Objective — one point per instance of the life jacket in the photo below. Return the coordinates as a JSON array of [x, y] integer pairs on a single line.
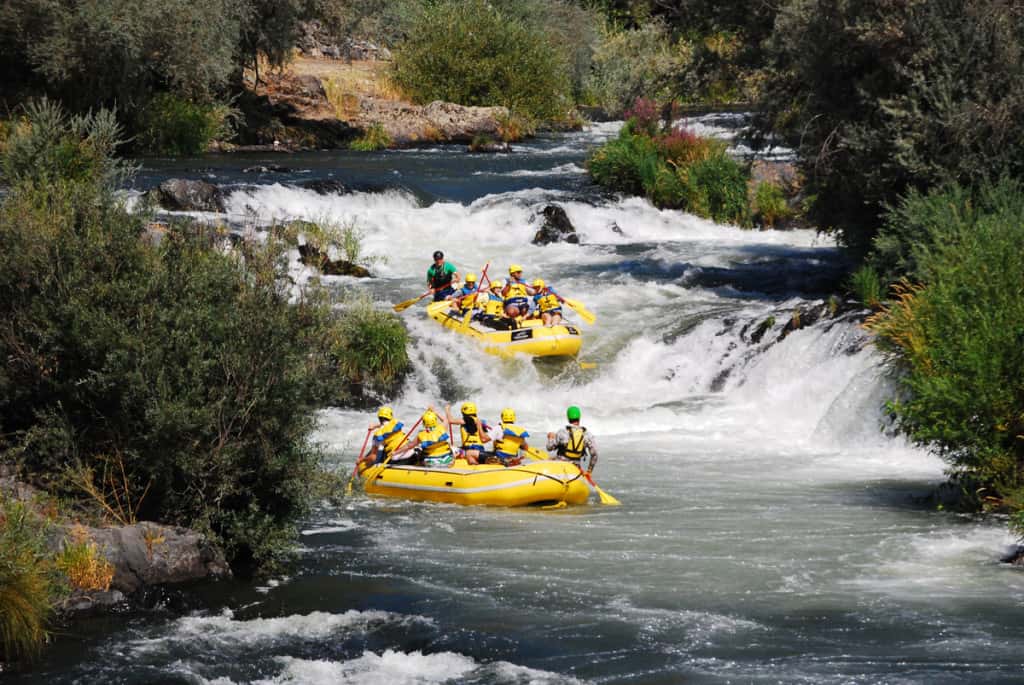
[[390, 435], [511, 440], [575, 448], [472, 439], [434, 443], [547, 301], [439, 278], [465, 297], [493, 306], [515, 289]]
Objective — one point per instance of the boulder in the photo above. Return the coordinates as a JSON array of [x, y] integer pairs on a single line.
[[556, 227], [188, 195], [312, 256], [151, 554]]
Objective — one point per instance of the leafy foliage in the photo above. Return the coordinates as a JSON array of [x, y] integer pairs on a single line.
[[473, 53], [374, 138], [188, 361], [959, 336], [901, 96], [170, 124]]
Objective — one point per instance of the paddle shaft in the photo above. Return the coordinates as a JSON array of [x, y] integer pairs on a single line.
[[355, 469]]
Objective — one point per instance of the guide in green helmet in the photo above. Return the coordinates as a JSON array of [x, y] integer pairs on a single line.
[[573, 443]]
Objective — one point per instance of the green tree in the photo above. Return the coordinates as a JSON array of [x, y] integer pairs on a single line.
[[900, 96], [472, 53]]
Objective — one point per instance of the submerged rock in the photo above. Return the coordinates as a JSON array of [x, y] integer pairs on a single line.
[[556, 227], [312, 256]]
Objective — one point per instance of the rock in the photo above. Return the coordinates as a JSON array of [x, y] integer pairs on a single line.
[[1014, 557], [188, 195], [330, 186], [488, 146], [311, 256], [556, 227], [150, 554], [267, 169], [617, 229], [90, 602]]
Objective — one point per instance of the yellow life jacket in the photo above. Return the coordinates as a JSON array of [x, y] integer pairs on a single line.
[[548, 302], [575, 448], [390, 435], [472, 439], [515, 289], [434, 443], [493, 306], [511, 440], [465, 299]]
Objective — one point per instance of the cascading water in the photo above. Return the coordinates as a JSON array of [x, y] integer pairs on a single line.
[[770, 532]]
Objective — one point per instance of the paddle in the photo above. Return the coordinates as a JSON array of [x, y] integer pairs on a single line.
[[402, 306], [399, 445], [584, 313], [464, 327], [355, 469], [604, 496]]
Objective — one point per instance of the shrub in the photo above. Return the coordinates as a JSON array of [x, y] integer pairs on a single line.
[[617, 165], [473, 53], [27, 584], [644, 116], [770, 203], [373, 138], [628, 64], [866, 285], [958, 338], [170, 124], [371, 348], [83, 564], [683, 147], [717, 189]]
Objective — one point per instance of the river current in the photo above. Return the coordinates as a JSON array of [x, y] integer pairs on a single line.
[[769, 532]]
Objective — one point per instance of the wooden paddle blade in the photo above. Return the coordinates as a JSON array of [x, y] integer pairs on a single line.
[[402, 306], [604, 496], [584, 313]]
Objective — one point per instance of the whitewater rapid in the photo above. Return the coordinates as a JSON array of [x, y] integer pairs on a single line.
[[770, 530]]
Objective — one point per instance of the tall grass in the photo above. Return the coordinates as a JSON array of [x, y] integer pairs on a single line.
[[27, 582], [374, 138], [171, 124]]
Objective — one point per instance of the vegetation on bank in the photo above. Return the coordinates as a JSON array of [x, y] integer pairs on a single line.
[[676, 169], [174, 382]]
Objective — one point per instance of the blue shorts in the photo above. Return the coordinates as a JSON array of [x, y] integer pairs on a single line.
[[443, 293], [556, 310], [520, 302]]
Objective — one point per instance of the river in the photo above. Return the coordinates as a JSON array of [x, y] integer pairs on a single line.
[[770, 532]]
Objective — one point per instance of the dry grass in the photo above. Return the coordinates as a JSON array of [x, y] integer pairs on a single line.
[[347, 84], [82, 563]]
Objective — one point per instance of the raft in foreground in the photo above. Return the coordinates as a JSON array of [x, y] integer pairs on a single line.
[[535, 482], [563, 340]]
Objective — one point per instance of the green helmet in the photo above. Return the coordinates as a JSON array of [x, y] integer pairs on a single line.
[[573, 413]]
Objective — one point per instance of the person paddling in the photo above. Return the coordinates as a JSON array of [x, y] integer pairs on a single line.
[[431, 443], [440, 276], [464, 298], [515, 293], [387, 437], [473, 430], [573, 442], [512, 440], [548, 303]]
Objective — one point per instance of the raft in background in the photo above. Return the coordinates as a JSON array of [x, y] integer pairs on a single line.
[[533, 482], [532, 337]]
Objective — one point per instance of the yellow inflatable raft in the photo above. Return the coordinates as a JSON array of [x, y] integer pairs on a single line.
[[530, 338], [533, 482]]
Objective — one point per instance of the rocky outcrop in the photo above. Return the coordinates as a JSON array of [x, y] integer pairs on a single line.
[[187, 195], [408, 124], [316, 41], [556, 227]]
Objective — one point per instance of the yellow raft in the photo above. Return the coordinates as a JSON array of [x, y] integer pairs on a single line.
[[534, 482], [531, 337]]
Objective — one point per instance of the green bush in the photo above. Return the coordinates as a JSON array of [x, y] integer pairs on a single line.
[[717, 189], [371, 349], [472, 53], [188, 363], [958, 336], [617, 165], [28, 585], [170, 124], [374, 138], [866, 285], [770, 203]]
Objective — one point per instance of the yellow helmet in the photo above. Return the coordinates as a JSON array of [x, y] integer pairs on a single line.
[[538, 283], [385, 413], [469, 409], [513, 268], [497, 285], [429, 420], [508, 415], [470, 278]]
